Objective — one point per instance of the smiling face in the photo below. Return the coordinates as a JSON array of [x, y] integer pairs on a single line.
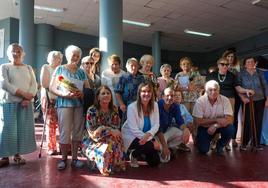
[[104, 97], [177, 97], [250, 64], [168, 96], [132, 67], [145, 94], [16, 54], [212, 90], [87, 64], [185, 65], [115, 66], [165, 72], [223, 66], [96, 56]]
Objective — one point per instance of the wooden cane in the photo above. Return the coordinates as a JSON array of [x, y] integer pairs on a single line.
[[252, 123]]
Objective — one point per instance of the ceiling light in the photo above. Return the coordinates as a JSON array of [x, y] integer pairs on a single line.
[[197, 33], [49, 9], [137, 23]]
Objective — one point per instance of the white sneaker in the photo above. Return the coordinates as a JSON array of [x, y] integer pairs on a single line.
[[133, 161]]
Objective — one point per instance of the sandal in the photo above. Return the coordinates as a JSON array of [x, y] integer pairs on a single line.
[[4, 162], [19, 160]]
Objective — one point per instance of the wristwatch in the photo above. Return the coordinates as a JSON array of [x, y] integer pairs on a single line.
[[216, 126]]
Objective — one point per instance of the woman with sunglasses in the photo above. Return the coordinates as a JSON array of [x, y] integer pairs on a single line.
[[226, 80], [88, 65]]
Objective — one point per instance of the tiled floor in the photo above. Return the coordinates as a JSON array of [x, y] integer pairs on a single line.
[[234, 169]]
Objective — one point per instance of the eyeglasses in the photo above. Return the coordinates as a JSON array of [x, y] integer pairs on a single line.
[[224, 64], [89, 63]]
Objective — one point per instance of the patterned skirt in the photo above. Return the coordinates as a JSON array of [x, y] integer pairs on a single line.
[[16, 129]]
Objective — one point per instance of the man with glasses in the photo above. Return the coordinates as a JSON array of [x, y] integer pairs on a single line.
[[213, 114]]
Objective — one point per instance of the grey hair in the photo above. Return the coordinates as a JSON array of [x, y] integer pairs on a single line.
[[9, 50], [165, 66], [210, 84], [70, 50], [145, 58], [52, 55], [129, 60]]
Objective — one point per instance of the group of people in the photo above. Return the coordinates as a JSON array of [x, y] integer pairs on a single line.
[[115, 114]]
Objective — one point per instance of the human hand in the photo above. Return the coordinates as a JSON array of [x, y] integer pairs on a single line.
[[250, 92], [144, 139], [116, 134], [25, 103], [212, 129], [27, 95], [123, 107], [157, 145]]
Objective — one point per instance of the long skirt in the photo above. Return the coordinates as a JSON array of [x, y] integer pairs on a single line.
[[16, 129]]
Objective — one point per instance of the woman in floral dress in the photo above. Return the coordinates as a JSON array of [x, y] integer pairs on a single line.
[[102, 142]]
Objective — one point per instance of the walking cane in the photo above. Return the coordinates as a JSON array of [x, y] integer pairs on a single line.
[[44, 125], [253, 125]]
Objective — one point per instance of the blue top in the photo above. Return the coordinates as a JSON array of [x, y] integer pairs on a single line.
[[80, 75], [187, 117], [127, 87], [167, 117], [147, 124]]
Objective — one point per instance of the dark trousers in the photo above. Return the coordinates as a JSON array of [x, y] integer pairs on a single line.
[[203, 139], [237, 106], [151, 155], [258, 112]]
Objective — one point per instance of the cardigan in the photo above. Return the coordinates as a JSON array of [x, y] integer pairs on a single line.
[[133, 126]]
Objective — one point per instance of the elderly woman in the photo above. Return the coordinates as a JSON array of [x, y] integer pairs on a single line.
[[251, 81], [95, 53], [67, 83], [127, 87], [17, 89], [110, 76], [185, 81], [88, 65], [48, 99], [165, 80], [141, 126], [103, 142]]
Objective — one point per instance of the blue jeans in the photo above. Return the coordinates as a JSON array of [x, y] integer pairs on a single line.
[[203, 139]]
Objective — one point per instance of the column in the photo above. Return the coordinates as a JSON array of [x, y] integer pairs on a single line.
[[156, 52], [26, 30], [44, 44], [111, 40]]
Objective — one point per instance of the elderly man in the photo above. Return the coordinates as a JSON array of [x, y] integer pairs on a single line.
[[172, 134], [213, 114]]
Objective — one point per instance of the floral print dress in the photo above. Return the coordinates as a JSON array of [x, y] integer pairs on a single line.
[[98, 144]]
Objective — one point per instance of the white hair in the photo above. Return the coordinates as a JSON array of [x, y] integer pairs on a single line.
[[132, 59], [9, 50], [52, 55], [70, 50], [211, 84]]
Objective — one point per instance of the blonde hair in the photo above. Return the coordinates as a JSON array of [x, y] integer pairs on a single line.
[[114, 57]]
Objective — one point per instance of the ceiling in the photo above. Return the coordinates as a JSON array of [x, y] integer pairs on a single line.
[[229, 20]]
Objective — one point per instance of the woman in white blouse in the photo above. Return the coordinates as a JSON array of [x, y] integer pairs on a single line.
[[141, 126], [17, 89]]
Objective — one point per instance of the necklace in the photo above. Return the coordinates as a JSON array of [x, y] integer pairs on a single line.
[[223, 77]]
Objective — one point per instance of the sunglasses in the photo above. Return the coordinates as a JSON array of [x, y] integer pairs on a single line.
[[225, 64]]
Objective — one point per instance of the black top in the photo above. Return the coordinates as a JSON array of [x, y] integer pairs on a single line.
[[227, 82]]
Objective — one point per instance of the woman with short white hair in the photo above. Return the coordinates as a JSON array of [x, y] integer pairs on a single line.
[[17, 89], [48, 99], [67, 83]]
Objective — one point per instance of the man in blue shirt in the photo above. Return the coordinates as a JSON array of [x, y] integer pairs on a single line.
[[172, 132]]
